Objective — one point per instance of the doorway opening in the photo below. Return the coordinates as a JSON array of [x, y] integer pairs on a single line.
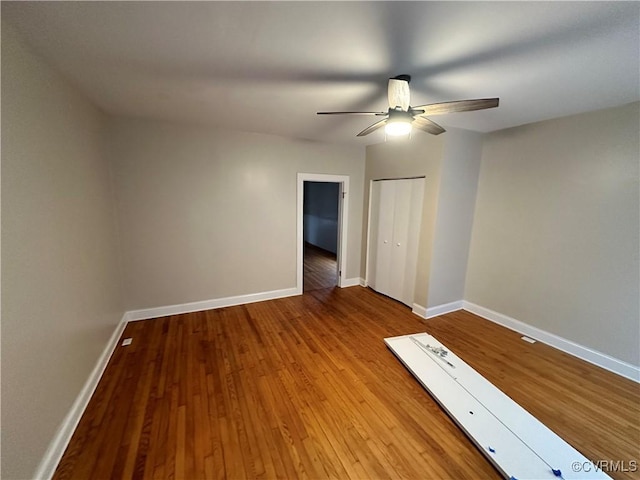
[[320, 235], [322, 220]]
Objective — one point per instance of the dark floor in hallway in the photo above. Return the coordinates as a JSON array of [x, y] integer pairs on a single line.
[[320, 268]]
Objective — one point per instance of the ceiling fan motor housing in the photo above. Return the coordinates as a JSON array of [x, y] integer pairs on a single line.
[[404, 77], [398, 93]]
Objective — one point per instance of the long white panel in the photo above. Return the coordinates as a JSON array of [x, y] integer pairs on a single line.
[[517, 443], [401, 211], [372, 239], [386, 198], [413, 239]]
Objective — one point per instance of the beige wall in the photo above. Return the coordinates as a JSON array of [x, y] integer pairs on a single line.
[[60, 279], [420, 155], [555, 236], [208, 214], [461, 158]]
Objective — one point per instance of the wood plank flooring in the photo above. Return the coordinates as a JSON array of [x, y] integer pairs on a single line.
[[304, 387], [319, 269]]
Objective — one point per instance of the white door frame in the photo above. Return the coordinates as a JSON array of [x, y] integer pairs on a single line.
[[343, 223]]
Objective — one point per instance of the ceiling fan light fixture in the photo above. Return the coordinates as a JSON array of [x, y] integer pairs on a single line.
[[398, 127], [401, 116]]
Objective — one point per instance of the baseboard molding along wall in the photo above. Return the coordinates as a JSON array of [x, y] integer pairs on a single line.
[[437, 310], [61, 439], [442, 309], [351, 282], [419, 310], [587, 354], [156, 312]]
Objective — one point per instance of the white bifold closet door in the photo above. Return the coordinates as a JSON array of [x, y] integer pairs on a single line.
[[395, 216]]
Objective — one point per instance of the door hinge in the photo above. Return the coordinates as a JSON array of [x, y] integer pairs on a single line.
[[339, 273], [344, 194]]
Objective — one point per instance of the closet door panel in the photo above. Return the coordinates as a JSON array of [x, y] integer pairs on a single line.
[[385, 228], [372, 242], [401, 208], [413, 238]]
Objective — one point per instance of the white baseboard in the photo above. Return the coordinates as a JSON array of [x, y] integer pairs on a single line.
[[437, 310], [444, 308], [156, 312], [351, 282], [587, 354], [419, 310], [68, 426]]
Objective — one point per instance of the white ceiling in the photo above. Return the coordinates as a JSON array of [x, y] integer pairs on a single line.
[[269, 66]]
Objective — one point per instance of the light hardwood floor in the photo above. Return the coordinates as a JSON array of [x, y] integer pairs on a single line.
[[304, 387]]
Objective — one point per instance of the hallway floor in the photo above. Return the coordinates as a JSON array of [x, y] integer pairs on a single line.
[[320, 268]]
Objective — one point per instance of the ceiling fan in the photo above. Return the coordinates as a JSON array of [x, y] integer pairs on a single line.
[[401, 116]]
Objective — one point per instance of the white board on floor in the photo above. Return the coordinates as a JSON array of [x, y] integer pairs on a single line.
[[517, 443]]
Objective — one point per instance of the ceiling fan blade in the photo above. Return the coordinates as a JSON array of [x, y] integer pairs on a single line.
[[351, 113], [427, 125], [457, 106], [398, 92], [373, 128]]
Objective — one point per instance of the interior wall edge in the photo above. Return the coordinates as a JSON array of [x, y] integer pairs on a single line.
[[612, 364], [65, 431]]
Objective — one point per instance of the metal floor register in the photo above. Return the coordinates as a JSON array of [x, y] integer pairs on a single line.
[[518, 444]]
